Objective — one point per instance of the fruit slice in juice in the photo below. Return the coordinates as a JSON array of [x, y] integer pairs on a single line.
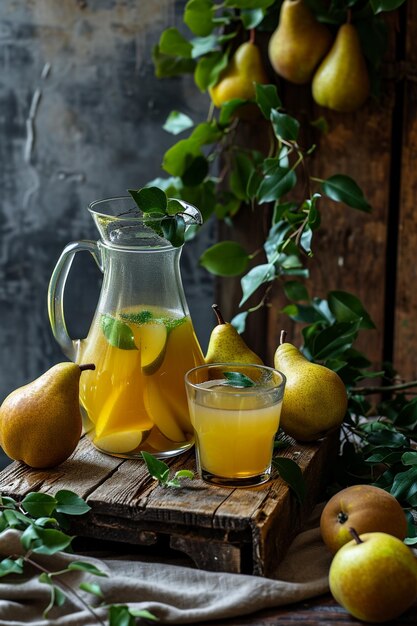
[[150, 339], [160, 412], [120, 442], [123, 410]]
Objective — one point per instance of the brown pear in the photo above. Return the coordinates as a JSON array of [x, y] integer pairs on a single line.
[[341, 82], [299, 43]]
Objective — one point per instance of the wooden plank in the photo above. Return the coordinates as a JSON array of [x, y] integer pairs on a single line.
[[405, 352], [239, 530]]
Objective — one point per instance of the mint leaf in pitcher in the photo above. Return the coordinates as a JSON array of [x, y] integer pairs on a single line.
[[236, 379], [117, 333]]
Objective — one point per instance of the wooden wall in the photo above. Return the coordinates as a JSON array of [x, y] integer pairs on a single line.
[[370, 255]]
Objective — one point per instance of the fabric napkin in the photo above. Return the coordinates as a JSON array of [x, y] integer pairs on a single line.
[[174, 594]]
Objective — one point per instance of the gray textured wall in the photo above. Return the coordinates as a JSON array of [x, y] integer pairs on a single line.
[[80, 119]]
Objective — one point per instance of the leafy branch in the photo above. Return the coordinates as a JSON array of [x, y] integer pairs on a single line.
[[42, 520]]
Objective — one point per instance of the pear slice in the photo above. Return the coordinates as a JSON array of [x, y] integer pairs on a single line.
[[161, 412], [119, 442], [151, 340]]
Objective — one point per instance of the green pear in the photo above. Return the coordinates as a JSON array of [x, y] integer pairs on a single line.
[[374, 577], [239, 78], [227, 346], [299, 43], [315, 398], [40, 423], [341, 82]]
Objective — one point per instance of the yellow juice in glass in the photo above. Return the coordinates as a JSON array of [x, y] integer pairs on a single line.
[[234, 427], [135, 398]]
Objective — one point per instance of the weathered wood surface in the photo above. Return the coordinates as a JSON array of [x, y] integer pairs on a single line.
[[222, 529]]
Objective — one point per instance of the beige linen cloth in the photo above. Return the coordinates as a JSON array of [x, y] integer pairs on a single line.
[[174, 594]]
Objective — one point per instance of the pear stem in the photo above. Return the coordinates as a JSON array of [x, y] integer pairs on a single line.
[[355, 535], [87, 366], [282, 337], [252, 35], [349, 16], [216, 309]]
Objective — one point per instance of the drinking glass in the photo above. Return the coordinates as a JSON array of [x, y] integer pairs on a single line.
[[235, 411]]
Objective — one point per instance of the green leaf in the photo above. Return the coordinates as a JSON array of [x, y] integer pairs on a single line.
[[276, 184], [291, 473], [167, 66], [143, 613], [70, 503], [240, 174], [409, 458], [195, 172], [404, 485], [184, 473], [119, 615], [267, 99], [285, 126], [84, 566], [344, 189], [209, 68], [348, 308], [93, 588], [157, 469], [57, 597], [173, 43], [11, 566], [44, 541], [385, 5], [150, 199], [38, 504], [255, 278], [227, 258], [8, 502], [179, 155], [295, 291], [239, 321], [117, 333], [236, 379], [177, 122], [198, 15], [228, 109], [251, 18], [333, 340], [173, 228]]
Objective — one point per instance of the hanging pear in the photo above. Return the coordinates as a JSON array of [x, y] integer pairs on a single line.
[[315, 399], [341, 82], [237, 80], [299, 42]]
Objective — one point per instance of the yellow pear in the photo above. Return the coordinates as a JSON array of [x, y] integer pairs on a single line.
[[40, 423], [341, 82], [227, 346], [299, 42], [237, 80], [315, 398]]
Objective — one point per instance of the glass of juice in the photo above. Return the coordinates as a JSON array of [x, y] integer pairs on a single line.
[[235, 411]]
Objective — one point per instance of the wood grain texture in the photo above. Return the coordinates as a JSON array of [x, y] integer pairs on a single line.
[[221, 529], [405, 352]]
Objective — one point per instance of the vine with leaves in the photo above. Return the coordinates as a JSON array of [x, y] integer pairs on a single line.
[[210, 167]]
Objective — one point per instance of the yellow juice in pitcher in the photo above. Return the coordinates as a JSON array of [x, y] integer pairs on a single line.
[[234, 431], [135, 398]]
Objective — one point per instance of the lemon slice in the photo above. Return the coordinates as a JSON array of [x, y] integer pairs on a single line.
[[151, 340], [120, 442]]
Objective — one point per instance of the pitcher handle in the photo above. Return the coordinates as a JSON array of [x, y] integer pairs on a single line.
[[56, 293]]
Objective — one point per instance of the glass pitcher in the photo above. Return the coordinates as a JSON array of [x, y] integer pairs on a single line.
[[141, 338]]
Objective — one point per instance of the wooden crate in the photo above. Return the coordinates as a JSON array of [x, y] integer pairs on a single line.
[[221, 529]]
